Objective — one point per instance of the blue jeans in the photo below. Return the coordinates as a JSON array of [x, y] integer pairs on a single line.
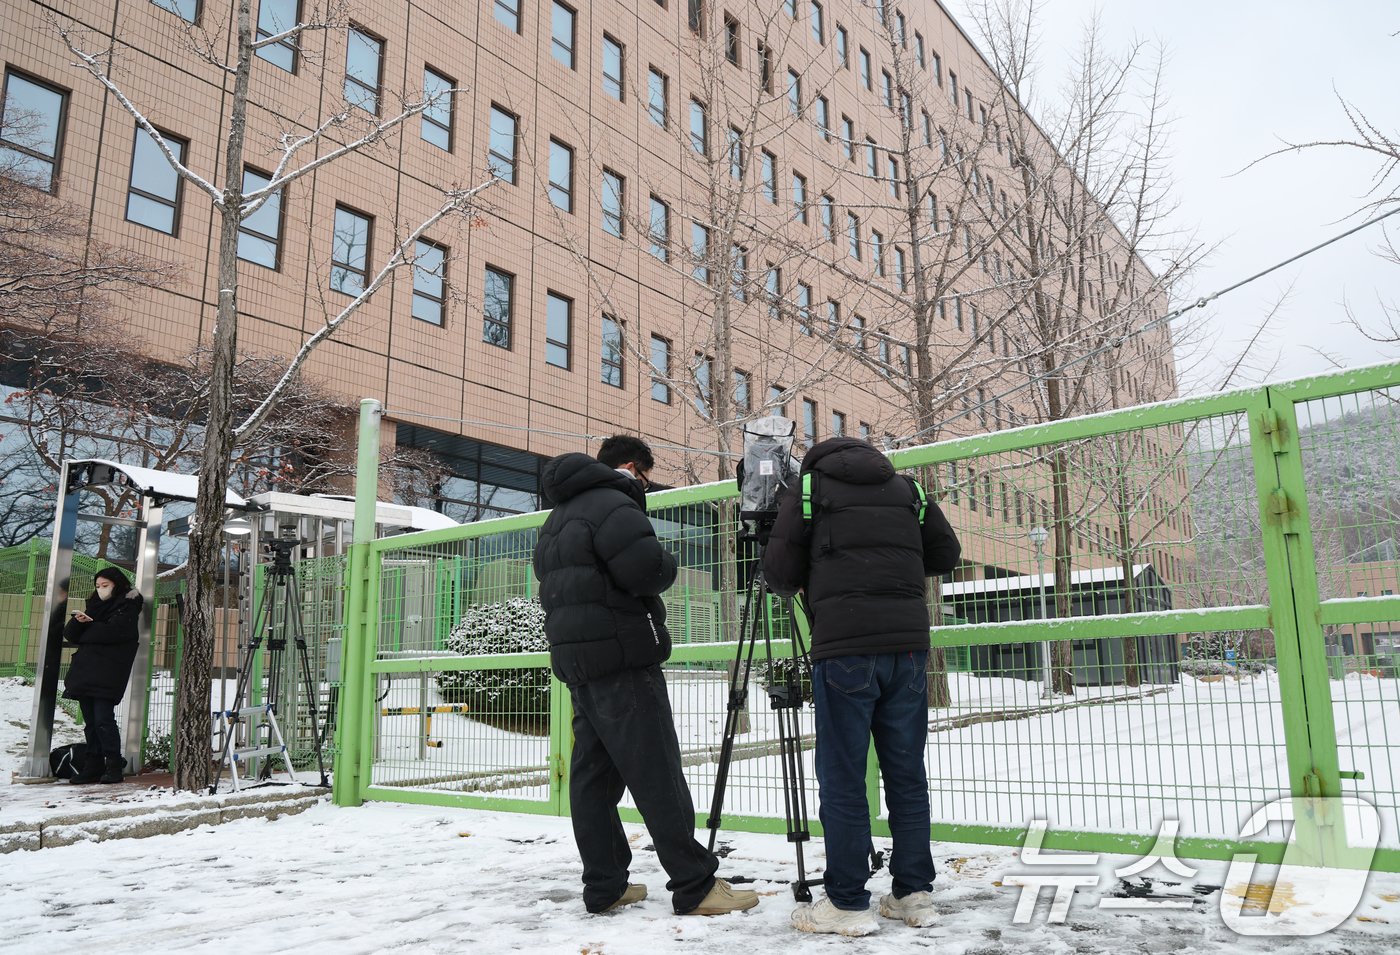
[[884, 695]]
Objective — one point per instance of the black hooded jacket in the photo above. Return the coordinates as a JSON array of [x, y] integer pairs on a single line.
[[601, 571], [106, 646], [864, 559]]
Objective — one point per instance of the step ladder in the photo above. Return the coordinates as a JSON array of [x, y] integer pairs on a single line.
[[233, 755]]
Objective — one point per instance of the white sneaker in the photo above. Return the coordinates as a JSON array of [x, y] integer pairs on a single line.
[[824, 918], [915, 909]]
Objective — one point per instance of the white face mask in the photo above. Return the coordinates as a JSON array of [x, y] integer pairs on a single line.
[[104, 591]]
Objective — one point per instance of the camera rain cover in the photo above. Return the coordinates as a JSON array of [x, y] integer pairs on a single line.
[[768, 465]]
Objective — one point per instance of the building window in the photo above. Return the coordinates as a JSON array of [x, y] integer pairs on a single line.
[[731, 39], [809, 422], [833, 318], [877, 251], [791, 7], [823, 109], [858, 331], [872, 159], [818, 23], [919, 50], [828, 207], [703, 373], [743, 392], [699, 128], [802, 292], [656, 96], [500, 159], [558, 317], [561, 175], [894, 177], [775, 400], [770, 176], [937, 68], [497, 307], [153, 198], [429, 281], [853, 234], [765, 67], [700, 252], [799, 196], [953, 87], [31, 131], [659, 230], [274, 17], [838, 424], [437, 118], [260, 234], [508, 14], [364, 63], [660, 370], [613, 201], [864, 431], [848, 138], [967, 97], [901, 29], [350, 251], [614, 62], [887, 88], [695, 17], [611, 353], [866, 79], [843, 46], [736, 153], [561, 33], [794, 93], [739, 273], [187, 10], [901, 272], [773, 291]]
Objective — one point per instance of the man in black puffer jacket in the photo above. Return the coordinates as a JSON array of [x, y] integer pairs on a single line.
[[106, 634], [862, 556], [602, 572]]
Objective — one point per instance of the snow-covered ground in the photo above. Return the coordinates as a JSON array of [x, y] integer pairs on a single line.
[[398, 878]]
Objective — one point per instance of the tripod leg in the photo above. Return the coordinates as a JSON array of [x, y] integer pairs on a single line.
[[245, 671], [312, 689], [738, 698]]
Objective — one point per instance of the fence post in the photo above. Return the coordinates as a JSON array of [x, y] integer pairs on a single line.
[[1310, 734], [22, 657], [561, 748], [355, 718]]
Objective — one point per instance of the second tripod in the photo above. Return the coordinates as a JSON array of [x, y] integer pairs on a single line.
[[783, 679], [279, 591]]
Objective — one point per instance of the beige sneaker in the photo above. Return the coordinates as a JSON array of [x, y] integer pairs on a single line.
[[823, 918], [915, 909], [633, 893], [724, 898]]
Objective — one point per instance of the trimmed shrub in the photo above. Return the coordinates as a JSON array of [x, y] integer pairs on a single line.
[[513, 698]]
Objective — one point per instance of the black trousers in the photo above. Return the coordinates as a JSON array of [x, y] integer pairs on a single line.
[[625, 737], [100, 726]]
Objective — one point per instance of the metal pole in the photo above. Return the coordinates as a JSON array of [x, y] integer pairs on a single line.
[[355, 697], [46, 666], [1049, 690]]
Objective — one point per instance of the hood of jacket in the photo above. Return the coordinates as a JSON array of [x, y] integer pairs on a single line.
[[569, 475], [850, 460]]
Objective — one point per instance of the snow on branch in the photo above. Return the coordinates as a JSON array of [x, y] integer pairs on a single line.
[[89, 62], [457, 202]]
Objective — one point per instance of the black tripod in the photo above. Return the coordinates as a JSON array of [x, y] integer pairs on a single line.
[[279, 590]]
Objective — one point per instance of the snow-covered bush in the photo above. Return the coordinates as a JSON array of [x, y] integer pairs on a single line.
[[515, 697]]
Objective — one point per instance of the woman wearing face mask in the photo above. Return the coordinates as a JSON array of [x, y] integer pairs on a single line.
[[106, 635]]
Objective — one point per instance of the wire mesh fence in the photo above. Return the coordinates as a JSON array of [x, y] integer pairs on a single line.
[[1126, 640]]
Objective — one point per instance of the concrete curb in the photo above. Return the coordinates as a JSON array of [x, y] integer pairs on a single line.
[[139, 820]]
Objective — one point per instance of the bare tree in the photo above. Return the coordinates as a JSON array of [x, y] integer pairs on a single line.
[[361, 122]]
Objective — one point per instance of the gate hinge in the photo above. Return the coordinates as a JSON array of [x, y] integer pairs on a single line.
[[1312, 785], [1281, 507], [1271, 426]]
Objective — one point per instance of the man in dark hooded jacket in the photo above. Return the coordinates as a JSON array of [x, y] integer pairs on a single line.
[[862, 554], [602, 571], [105, 631]]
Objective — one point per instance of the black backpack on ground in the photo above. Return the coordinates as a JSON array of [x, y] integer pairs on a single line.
[[65, 761]]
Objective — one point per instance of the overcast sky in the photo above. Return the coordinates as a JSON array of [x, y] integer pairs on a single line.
[[1242, 76]]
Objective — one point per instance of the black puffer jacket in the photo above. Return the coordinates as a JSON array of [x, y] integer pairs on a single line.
[[601, 571], [106, 646], [864, 560]]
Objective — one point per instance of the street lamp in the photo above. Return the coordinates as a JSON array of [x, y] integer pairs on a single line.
[[1038, 536]]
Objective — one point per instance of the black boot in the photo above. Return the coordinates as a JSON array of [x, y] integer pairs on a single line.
[[91, 771], [115, 765]]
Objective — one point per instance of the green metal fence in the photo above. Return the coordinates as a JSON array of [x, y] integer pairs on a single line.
[[1177, 611]]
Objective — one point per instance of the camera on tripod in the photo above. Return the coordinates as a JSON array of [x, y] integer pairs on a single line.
[[766, 470]]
